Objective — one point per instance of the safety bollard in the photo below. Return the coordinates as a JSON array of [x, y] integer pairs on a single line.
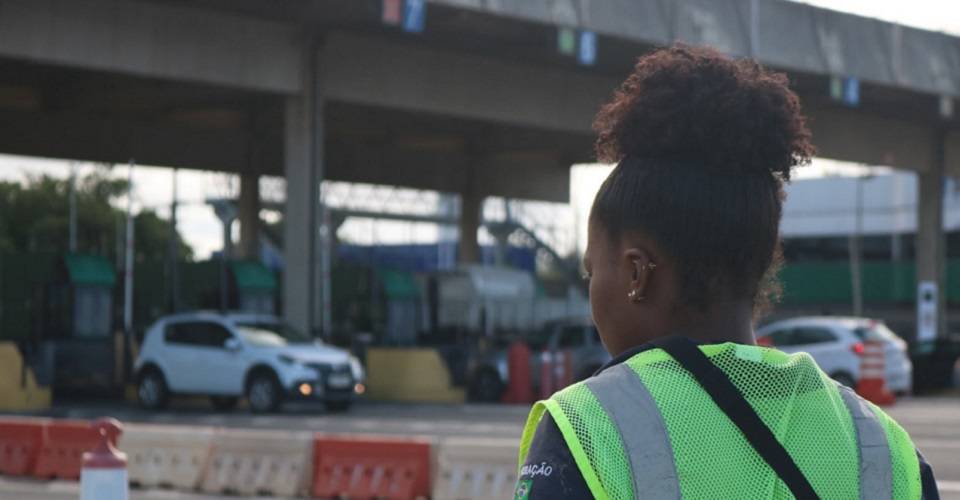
[[546, 374], [104, 472], [519, 385], [564, 369]]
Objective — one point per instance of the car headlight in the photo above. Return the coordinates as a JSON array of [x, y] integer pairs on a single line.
[[356, 369]]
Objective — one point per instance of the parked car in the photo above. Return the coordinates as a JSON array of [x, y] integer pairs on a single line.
[[228, 356], [488, 376], [836, 343]]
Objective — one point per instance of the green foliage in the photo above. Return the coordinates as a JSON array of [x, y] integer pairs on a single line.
[[34, 217]]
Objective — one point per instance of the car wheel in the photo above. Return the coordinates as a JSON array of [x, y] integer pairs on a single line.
[[223, 403], [264, 393], [338, 406], [152, 390], [486, 386], [844, 379]]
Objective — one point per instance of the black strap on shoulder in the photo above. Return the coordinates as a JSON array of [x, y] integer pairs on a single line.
[[718, 385]]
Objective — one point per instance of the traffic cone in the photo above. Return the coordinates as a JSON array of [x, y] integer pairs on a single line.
[[873, 382], [104, 472]]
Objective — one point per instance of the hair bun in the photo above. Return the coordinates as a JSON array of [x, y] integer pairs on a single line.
[[698, 106]]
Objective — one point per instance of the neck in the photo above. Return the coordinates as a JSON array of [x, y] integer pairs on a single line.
[[722, 322]]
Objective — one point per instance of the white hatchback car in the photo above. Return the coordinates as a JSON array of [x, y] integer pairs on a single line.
[[836, 344], [227, 356]]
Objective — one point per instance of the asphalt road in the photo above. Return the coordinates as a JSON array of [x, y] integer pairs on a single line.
[[933, 422]]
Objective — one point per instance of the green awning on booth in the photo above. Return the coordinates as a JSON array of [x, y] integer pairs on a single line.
[[89, 270], [399, 285], [251, 275]]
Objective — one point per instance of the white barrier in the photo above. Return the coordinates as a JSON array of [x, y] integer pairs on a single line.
[[166, 456], [259, 462], [475, 469]]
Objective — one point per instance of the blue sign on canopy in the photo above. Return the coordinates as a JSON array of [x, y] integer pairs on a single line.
[[587, 55], [851, 91], [414, 16]]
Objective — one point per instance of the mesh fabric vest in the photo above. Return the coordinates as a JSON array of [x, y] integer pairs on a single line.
[[681, 445]]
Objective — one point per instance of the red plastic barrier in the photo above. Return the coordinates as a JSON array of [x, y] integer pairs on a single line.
[[62, 446], [364, 467], [519, 385], [19, 446]]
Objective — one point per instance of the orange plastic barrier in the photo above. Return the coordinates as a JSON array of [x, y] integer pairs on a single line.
[[19, 446], [367, 467], [873, 381], [62, 445]]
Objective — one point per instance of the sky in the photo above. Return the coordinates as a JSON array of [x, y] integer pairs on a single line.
[[937, 15], [153, 186]]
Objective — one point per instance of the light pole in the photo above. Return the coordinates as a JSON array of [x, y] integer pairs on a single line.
[[856, 248]]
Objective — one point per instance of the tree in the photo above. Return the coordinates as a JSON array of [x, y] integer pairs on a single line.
[[34, 216]]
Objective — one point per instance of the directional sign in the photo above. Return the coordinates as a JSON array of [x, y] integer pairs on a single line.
[[587, 55], [392, 12], [566, 41], [927, 320], [851, 91], [414, 16], [845, 90]]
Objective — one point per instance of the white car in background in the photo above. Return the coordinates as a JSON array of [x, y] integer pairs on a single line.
[[836, 343], [228, 356]]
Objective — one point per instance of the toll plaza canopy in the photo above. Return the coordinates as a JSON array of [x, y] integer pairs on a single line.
[[787, 35], [475, 97]]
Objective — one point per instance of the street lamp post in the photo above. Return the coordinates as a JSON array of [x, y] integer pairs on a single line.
[[856, 249]]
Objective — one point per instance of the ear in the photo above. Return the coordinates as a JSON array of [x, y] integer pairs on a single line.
[[639, 263]]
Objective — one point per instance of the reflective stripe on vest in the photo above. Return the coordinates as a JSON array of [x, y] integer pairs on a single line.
[[876, 480], [646, 443]]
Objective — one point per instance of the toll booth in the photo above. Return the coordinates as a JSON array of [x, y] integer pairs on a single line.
[[255, 287], [403, 307], [78, 344]]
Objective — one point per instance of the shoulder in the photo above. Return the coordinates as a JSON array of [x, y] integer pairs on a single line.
[[550, 470]]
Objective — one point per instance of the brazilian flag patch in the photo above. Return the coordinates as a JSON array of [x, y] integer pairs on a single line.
[[523, 489]]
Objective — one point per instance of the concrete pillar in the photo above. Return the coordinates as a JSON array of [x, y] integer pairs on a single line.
[[303, 167], [471, 212], [249, 216], [471, 207], [931, 241]]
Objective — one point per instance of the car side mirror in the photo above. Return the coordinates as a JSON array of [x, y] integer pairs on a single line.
[[232, 344]]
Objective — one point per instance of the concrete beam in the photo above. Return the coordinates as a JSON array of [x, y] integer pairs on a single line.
[[378, 72], [852, 135], [87, 136], [154, 40], [545, 173], [952, 152]]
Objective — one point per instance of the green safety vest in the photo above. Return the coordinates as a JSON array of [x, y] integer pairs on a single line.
[[646, 429]]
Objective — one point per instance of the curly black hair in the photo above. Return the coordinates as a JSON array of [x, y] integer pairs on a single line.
[[703, 145]]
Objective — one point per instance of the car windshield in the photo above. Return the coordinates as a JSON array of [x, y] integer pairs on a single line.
[[271, 334], [875, 332]]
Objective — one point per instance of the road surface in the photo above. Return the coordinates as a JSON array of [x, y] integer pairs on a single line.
[[933, 422]]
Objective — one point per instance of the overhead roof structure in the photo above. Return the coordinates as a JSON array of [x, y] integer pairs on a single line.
[[785, 34]]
